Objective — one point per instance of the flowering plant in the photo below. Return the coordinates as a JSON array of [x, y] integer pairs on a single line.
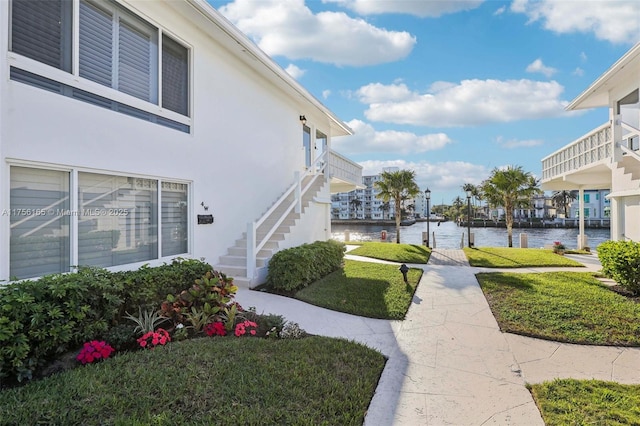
[[94, 350], [558, 246], [154, 338], [245, 326], [215, 329]]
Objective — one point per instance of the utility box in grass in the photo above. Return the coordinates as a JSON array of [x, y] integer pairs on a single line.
[[524, 242]]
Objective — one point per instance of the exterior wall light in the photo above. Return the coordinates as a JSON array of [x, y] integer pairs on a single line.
[[303, 120]]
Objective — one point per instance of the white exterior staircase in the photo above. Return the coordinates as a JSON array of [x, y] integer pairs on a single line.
[[246, 262]]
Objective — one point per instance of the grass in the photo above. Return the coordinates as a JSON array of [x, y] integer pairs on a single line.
[[367, 289], [221, 381], [501, 257], [587, 402], [562, 306], [403, 253]]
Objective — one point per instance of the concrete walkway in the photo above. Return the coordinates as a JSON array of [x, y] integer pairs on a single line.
[[448, 362]]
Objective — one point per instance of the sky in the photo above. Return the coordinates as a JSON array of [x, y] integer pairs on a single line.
[[448, 89]]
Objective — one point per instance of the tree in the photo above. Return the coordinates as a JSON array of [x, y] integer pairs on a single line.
[[510, 188], [355, 203], [562, 199], [385, 207], [396, 186]]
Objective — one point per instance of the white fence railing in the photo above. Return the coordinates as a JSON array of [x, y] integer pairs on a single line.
[[591, 148], [340, 167], [291, 200]]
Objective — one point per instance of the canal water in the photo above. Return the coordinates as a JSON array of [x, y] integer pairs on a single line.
[[448, 235]]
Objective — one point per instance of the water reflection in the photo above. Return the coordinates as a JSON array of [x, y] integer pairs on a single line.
[[449, 235]]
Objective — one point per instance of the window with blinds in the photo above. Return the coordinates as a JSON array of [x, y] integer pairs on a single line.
[[41, 30], [174, 218], [39, 222], [116, 48], [117, 220], [175, 76]]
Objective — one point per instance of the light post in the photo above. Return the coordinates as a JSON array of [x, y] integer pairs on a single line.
[[469, 218], [427, 196]]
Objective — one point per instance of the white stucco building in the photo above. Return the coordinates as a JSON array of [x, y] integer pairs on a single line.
[[608, 156], [133, 132]]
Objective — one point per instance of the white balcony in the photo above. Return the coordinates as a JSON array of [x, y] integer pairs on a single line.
[[584, 162], [344, 175]]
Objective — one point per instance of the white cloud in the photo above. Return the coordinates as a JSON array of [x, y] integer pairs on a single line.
[[583, 57], [538, 66], [295, 71], [615, 21], [326, 93], [468, 103], [367, 139], [439, 177], [578, 71], [289, 28], [515, 143], [417, 8], [500, 11]]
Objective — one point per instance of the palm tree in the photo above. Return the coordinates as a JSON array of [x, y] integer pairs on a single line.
[[562, 199], [396, 186], [385, 207], [355, 203], [510, 188]]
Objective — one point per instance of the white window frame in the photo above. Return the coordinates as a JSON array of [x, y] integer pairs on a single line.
[[73, 79], [73, 223]]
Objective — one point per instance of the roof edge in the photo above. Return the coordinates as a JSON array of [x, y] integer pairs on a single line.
[[606, 76]]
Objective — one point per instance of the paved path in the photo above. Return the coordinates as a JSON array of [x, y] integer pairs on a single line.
[[448, 362]]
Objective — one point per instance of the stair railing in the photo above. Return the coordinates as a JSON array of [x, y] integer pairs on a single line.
[[254, 246]]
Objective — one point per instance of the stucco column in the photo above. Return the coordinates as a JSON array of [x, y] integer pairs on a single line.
[[616, 220]]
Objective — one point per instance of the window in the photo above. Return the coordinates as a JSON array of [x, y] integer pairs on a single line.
[[117, 220], [116, 49], [116, 217], [175, 76], [174, 218], [39, 242], [586, 198], [41, 30]]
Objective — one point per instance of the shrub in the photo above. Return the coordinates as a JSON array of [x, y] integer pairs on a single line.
[[297, 267], [621, 262], [205, 301], [45, 318], [147, 287]]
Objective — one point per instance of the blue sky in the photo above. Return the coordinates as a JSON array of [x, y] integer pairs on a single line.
[[449, 89]]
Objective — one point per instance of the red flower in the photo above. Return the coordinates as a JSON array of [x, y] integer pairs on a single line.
[[158, 337], [94, 350], [241, 328], [215, 329]]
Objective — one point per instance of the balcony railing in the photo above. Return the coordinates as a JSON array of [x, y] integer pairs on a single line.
[[592, 148], [343, 171]]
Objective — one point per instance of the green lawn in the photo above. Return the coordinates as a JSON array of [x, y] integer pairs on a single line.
[[502, 257], [209, 381], [562, 306], [403, 253], [367, 289], [587, 402]]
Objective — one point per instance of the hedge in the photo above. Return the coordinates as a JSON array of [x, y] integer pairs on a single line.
[[621, 262], [295, 268], [44, 318]]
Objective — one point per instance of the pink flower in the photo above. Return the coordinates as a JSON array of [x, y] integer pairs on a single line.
[[241, 328], [94, 350]]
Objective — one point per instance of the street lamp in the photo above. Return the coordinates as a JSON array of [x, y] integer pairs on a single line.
[[427, 196], [469, 217]]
